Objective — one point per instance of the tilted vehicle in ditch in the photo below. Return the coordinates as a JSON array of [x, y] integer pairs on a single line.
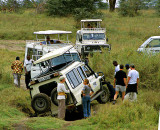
[[43, 87], [91, 37]]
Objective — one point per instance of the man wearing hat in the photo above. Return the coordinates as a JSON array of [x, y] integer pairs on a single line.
[[132, 84], [61, 90]]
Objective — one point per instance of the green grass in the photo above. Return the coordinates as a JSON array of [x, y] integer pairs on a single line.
[[125, 35], [45, 123]]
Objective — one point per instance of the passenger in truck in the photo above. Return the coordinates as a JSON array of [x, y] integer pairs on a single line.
[[46, 42]]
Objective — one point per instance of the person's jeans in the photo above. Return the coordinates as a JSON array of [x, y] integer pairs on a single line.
[[86, 106]]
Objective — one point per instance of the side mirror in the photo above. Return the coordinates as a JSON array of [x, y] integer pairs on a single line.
[[147, 46]]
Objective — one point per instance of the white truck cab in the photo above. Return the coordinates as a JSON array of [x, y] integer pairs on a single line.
[[151, 45], [39, 47], [91, 37]]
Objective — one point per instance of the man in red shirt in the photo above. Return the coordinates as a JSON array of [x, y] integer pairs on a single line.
[[17, 67]]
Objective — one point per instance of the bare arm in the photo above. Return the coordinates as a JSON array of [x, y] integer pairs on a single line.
[[114, 82], [128, 79], [125, 81], [91, 92], [137, 82]]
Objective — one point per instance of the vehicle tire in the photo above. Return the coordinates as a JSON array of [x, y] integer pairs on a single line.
[[104, 97], [41, 103], [54, 97]]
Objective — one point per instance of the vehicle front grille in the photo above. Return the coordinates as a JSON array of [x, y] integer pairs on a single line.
[[95, 47]]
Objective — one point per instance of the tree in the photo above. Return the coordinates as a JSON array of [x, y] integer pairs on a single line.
[[112, 4], [130, 7], [158, 7], [77, 8], [27, 4]]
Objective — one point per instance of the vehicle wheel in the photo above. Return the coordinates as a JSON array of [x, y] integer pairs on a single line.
[[104, 97], [54, 97], [41, 103]]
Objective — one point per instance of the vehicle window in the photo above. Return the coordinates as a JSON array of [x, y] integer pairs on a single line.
[[66, 58], [80, 71], [73, 78], [31, 52], [75, 56], [94, 36], [86, 70], [154, 43]]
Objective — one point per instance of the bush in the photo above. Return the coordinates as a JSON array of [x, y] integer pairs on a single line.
[[78, 8], [158, 7], [130, 7]]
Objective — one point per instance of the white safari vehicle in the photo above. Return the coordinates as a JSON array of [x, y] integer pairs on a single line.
[[151, 45], [39, 47], [91, 37], [43, 87]]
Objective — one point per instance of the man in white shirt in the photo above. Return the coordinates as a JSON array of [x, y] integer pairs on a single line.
[[132, 84], [117, 68], [61, 90], [27, 67]]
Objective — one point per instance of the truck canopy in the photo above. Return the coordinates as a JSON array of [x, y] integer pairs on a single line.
[[49, 32], [92, 20]]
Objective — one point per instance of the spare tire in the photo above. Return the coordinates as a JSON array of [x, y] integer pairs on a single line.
[[104, 97], [54, 97], [41, 103]]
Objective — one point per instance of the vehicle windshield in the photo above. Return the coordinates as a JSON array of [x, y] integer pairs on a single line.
[[93, 36], [55, 64], [67, 57], [146, 42]]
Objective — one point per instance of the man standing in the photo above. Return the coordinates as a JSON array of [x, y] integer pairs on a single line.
[[120, 80], [17, 67], [61, 90], [132, 82], [27, 67], [115, 63]]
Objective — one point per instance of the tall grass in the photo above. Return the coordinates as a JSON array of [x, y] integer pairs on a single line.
[[6, 59], [125, 36], [146, 65]]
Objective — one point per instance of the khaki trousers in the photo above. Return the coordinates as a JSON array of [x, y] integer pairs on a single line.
[[17, 79], [61, 109]]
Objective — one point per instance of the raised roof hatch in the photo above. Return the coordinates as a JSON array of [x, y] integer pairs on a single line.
[[54, 54]]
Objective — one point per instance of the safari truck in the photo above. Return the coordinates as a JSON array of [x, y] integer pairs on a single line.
[[91, 37], [151, 45], [43, 87], [42, 45]]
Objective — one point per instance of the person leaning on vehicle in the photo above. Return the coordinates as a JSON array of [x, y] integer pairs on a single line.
[[27, 67], [61, 90], [120, 80], [132, 84], [17, 67]]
